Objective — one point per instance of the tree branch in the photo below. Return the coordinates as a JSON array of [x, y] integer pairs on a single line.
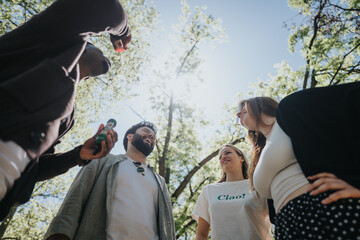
[[185, 58], [342, 62], [24, 5], [39, 185], [136, 113], [162, 159], [316, 27], [345, 9], [5, 223], [181, 232], [167, 138], [313, 79]]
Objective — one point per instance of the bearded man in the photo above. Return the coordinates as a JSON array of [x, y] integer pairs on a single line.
[[118, 197]]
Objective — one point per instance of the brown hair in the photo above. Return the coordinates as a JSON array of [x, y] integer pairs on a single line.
[[245, 165], [256, 107]]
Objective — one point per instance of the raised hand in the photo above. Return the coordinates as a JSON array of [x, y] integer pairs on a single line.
[[327, 181]]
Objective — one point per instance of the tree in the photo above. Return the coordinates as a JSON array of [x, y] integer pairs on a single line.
[[328, 37], [92, 99], [330, 59], [182, 157], [178, 146], [329, 40]]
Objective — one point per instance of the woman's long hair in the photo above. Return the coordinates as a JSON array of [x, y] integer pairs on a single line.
[[256, 107], [245, 165]]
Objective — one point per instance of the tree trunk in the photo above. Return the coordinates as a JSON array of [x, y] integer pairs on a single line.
[[316, 28], [162, 159], [192, 221]]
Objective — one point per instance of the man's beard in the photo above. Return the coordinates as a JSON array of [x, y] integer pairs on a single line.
[[139, 144]]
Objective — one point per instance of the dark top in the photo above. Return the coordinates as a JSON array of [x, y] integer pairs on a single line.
[[39, 75], [39, 70], [324, 127]]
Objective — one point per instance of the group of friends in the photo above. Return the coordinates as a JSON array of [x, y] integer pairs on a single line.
[[304, 158], [303, 175]]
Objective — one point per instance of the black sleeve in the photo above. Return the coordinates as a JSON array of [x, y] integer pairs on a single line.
[[77, 18], [52, 165]]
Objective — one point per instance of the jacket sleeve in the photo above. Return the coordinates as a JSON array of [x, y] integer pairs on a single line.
[[69, 216], [82, 17], [170, 223], [52, 165]]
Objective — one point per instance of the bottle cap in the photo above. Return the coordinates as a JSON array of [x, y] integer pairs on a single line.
[[120, 50]]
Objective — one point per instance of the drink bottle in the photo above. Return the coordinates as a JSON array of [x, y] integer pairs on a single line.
[[111, 123]]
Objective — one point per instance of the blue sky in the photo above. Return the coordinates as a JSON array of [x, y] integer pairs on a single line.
[[257, 39]]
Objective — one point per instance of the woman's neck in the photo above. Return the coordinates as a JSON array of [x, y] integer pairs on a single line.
[[234, 176], [269, 123]]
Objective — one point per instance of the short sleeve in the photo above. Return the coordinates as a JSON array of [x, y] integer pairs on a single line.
[[201, 208]]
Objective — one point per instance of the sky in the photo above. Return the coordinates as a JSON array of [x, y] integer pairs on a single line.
[[257, 40]]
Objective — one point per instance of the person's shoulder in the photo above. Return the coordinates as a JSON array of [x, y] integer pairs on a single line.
[[103, 159], [234, 184], [213, 186], [118, 157], [109, 159], [161, 178]]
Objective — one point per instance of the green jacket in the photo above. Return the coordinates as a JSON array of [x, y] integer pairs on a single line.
[[84, 214]]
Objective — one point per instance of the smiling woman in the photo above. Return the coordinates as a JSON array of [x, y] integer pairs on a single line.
[[233, 164], [229, 206], [312, 179]]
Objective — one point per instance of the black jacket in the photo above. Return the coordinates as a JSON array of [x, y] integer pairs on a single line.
[[39, 70], [39, 75]]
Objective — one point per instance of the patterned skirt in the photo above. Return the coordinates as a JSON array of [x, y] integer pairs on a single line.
[[305, 217]]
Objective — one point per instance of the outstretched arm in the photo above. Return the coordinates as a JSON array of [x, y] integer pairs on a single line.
[[327, 181], [52, 165]]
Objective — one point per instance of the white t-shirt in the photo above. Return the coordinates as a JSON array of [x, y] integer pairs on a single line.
[[134, 207], [233, 212], [13, 160]]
